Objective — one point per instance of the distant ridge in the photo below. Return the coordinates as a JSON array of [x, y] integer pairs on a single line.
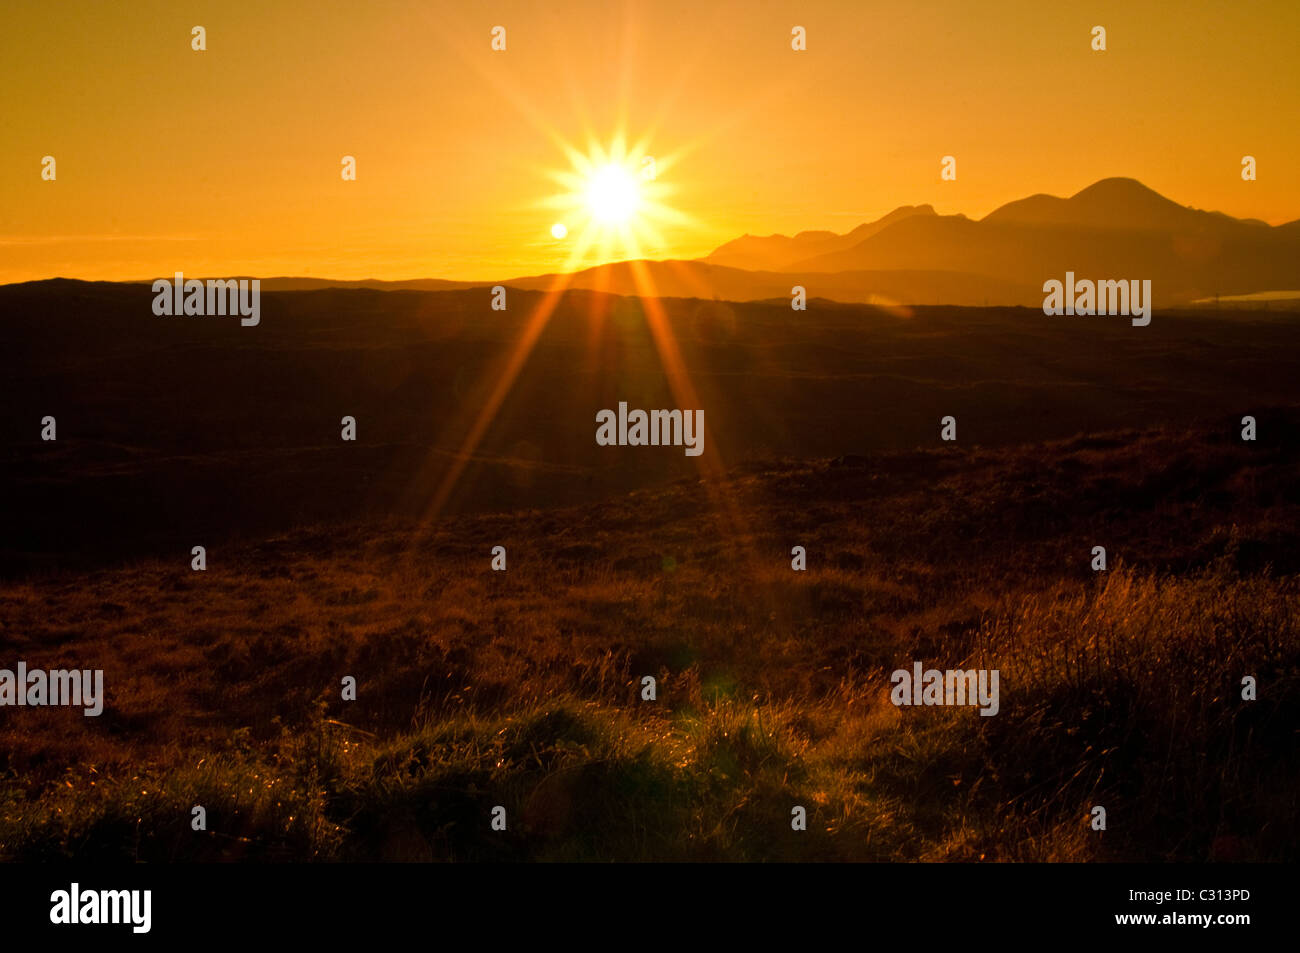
[[1116, 228], [777, 252]]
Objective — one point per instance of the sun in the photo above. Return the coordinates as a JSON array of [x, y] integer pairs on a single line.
[[612, 194], [613, 202]]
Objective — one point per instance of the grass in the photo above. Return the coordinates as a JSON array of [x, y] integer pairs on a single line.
[[522, 689]]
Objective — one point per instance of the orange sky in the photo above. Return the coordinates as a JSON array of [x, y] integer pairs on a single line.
[[227, 161]]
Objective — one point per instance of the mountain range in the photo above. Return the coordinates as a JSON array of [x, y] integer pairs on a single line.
[[1116, 228]]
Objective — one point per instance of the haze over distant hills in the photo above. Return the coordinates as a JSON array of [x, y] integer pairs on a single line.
[[779, 253], [1117, 228], [1114, 229]]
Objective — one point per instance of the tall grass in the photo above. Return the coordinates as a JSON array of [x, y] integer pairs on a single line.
[[1125, 694]]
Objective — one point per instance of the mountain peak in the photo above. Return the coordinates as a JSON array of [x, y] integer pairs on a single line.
[[1118, 186], [1117, 202], [1113, 225], [906, 211]]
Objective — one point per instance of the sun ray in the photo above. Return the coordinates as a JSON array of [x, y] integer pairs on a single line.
[[684, 394], [641, 212]]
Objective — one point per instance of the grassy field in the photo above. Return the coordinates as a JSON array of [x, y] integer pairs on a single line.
[[521, 688]]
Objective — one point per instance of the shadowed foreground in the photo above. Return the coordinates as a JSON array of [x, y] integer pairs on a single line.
[[521, 689], [178, 431]]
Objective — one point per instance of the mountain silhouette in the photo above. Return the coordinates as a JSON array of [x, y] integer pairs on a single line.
[[1110, 203], [1115, 228], [776, 252]]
